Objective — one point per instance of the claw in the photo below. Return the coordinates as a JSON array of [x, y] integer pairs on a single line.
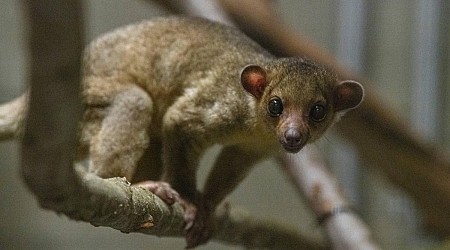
[[198, 227], [190, 212]]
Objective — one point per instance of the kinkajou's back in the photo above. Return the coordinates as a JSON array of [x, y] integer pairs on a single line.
[[165, 51]]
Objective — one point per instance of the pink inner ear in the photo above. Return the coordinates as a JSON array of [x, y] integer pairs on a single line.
[[253, 79], [254, 83], [345, 93], [348, 95], [257, 81]]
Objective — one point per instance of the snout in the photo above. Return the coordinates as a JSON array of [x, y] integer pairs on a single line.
[[293, 140]]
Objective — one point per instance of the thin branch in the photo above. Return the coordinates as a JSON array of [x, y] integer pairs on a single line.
[[310, 175], [238, 227], [11, 118], [201, 8]]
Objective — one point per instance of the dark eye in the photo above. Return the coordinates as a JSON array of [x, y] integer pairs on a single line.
[[317, 113], [275, 107]]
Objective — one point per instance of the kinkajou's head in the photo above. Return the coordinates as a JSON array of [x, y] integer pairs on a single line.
[[299, 99]]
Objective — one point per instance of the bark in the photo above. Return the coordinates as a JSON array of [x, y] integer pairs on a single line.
[[310, 174], [49, 142], [11, 118]]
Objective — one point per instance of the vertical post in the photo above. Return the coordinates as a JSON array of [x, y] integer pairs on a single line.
[[351, 21], [351, 32], [49, 142], [425, 80]]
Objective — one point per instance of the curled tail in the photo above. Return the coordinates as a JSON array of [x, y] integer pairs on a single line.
[[12, 116]]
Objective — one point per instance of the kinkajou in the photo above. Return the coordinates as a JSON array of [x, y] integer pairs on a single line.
[[182, 85]]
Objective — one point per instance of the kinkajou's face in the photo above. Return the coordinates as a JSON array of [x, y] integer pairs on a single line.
[[298, 110], [302, 99]]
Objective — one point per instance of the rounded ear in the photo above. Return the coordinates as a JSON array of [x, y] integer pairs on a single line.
[[347, 95], [254, 80]]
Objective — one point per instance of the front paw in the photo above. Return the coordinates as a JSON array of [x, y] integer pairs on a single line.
[[161, 189], [199, 225]]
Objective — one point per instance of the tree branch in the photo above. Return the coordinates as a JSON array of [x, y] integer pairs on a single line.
[[49, 140], [11, 118], [115, 203], [310, 175]]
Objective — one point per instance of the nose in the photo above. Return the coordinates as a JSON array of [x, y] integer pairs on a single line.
[[292, 137]]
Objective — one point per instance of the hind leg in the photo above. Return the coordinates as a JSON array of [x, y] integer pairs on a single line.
[[122, 139]]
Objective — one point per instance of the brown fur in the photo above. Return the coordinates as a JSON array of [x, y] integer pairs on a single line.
[[173, 85]]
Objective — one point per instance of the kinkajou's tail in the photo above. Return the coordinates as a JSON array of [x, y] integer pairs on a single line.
[[12, 116]]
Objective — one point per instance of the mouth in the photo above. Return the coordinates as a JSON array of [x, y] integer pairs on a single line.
[[292, 148]]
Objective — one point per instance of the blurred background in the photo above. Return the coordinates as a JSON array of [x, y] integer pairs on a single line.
[[402, 46]]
